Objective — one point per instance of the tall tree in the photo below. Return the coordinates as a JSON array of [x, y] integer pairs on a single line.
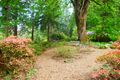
[[12, 14], [103, 20], [6, 16], [50, 15], [80, 9]]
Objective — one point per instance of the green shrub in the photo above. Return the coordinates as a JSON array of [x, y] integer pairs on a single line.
[[42, 46], [101, 45], [1, 36], [65, 52], [39, 37], [58, 36], [104, 34], [15, 55], [37, 48], [31, 72]]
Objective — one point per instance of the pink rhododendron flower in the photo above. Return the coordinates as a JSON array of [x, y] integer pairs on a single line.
[[94, 75]]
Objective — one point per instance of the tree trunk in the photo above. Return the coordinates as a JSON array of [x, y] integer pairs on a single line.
[[6, 18], [71, 32], [81, 27], [6, 31], [15, 31], [48, 33], [15, 25], [80, 9], [32, 37]]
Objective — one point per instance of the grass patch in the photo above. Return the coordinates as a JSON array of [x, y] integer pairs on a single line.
[[1, 36], [8, 78], [40, 47], [31, 72], [101, 45], [65, 52]]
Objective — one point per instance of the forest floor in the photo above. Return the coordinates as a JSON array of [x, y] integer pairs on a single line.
[[77, 68]]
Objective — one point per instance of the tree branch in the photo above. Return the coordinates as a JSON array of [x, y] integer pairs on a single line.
[[96, 2]]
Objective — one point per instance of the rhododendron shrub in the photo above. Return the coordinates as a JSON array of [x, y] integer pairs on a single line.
[[116, 44], [106, 74], [112, 58], [112, 72], [99, 74], [15, 54]]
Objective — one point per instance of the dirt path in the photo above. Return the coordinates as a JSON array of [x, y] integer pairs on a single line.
[[75, 69]]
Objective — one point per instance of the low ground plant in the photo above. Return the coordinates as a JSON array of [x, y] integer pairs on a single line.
[[59, 36], [65, 52], [101, 45], [31, 72], [116, 44], [42, 46]]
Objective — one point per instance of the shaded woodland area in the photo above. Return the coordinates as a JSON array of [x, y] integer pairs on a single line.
[[68, 19]]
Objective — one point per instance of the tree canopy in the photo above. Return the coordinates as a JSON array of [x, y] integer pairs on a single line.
[[53, 17]]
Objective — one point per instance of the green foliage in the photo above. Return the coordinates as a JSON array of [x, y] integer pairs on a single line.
[[56, 15], [39, 37], [8, 78], [31, 72], [106, 35], [65, 52], [1, 36], [103, 20], [40, 43], [53, 44], [42, 46], [101, 45], [58, 36], [12, 14]]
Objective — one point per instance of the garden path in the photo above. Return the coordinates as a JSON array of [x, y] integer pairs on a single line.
[[77, 68]]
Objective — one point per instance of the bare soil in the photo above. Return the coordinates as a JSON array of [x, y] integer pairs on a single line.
[[77, 68]]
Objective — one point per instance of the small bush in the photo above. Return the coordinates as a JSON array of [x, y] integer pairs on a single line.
[[31, 72], [112, 70], [104, 33], [65, 52], [1, 36], [116, 44], [101, 45], [15, 55], [58, 36], [106, 74], [112, 58], [39, 37], [42, 46]]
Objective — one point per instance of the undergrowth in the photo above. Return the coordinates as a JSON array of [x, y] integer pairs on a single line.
[[31, 72], [101, 45], [42, 46], [65, 51]]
